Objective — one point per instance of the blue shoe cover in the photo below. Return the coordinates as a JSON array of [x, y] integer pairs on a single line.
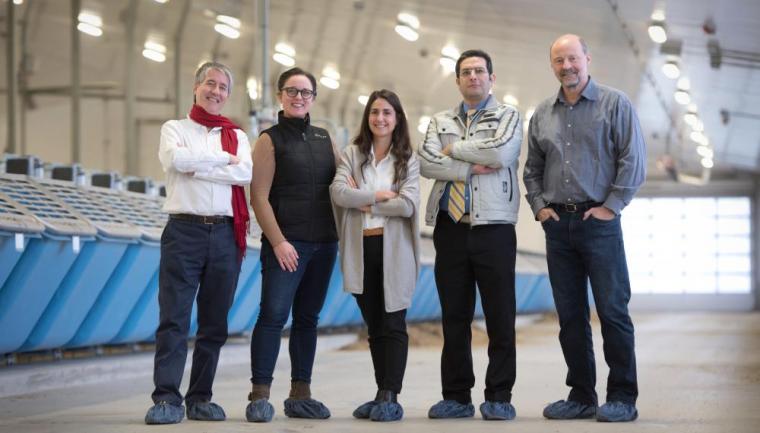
[[617, 411], [451, 409], [386, 411], [569, 409], [259, 411], [205, 411], [165, 413], [497, 410], [363, 411], [306, 408]]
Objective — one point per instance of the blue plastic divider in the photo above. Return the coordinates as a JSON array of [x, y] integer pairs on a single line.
[[119, 296]]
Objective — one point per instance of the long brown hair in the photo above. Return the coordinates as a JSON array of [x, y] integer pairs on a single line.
[[401, 146]]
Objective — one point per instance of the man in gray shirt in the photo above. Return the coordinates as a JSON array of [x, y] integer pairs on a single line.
[[586, 160]]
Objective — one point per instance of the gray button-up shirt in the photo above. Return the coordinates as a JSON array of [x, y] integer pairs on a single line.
[[590, 151]]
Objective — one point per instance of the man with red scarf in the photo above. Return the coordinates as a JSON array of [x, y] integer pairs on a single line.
[[207, 160]]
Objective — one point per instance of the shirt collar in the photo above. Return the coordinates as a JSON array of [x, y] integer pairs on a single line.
[[463, 107], [590, 92]]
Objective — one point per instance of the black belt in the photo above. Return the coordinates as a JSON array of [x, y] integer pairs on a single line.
[[574, 207], [202, 219]]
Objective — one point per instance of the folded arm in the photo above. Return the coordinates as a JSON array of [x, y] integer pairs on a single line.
[[498, 151], [434, 164], [232, 174], [175, 153]]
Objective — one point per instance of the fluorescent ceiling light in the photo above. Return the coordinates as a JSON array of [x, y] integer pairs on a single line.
[[283, 59], [691, 118], [448, 64], [657, 31], [330, 72], [409, 19], [682, 97], [450, 51], [699, 138], [707, 163], [253, 88], [705, 152], [89, 29], [422, 125], [154, 55], [230, 21], [511, 100], [329, 82], [90, 18], [363, 99], [227, 31], [407, 32], [155, 46], [671, 69], [285, 48]]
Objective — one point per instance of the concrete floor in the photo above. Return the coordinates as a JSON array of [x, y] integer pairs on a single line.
[[698, 372]]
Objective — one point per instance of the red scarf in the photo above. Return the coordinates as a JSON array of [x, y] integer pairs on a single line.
[[229, 145]]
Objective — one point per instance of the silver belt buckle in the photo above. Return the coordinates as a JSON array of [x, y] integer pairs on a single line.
[[208, 220], [572, 208]]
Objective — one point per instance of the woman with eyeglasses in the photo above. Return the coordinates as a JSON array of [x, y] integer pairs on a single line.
[[376, 197], [294, 163]]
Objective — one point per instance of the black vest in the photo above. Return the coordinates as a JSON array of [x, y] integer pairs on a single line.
[[305, 167]]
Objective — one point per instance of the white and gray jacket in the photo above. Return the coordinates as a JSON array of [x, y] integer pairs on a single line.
[[493, 139]]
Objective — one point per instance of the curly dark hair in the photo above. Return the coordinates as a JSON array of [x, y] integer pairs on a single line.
[[401, 147]]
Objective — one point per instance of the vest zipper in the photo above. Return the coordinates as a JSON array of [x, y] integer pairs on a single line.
[[509, 169]]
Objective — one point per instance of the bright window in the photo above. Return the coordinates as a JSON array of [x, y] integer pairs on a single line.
[[688, 245]]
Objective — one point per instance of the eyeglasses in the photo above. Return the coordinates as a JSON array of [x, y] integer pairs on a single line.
[[293, 92], [477, 71]]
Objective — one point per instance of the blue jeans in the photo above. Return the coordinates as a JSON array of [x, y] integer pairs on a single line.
[[578, 251], [304, 290]]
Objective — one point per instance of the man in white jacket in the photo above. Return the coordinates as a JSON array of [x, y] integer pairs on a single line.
[[471, 151]]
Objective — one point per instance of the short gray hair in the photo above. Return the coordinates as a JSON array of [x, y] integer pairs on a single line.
[[200, 74]]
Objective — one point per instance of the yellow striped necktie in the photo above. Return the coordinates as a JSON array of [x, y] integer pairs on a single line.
[[456, 191], [456, 200]]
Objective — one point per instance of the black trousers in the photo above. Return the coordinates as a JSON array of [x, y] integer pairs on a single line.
[[197, 259], [388, 340], [466, 256]]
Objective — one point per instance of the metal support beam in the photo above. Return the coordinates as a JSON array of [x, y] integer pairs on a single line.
[[76, 89], [130, 91], [266, 89], [11, 76], [178, 60], [25, 69]]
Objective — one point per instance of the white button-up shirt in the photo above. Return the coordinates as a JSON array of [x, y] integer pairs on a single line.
[[198, 173], [377, 176]]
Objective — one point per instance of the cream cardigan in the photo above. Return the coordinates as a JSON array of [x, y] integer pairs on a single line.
[[401, 234]]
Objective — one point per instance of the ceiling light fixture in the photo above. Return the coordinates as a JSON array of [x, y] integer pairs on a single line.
[[707, 163], [682, 97], [330, 77], [705, 152], [252, 85], [363, 99], [671, 69], [657, 31], [449, 56], [155, 51], [227, 26], [407, 26], [90, 23], [422, 125], [284, 54], [511, 100]]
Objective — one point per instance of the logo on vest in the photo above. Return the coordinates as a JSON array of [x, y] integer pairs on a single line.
[[319, 136]]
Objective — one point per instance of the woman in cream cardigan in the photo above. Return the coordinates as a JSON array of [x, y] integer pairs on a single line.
[[376, 199]]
